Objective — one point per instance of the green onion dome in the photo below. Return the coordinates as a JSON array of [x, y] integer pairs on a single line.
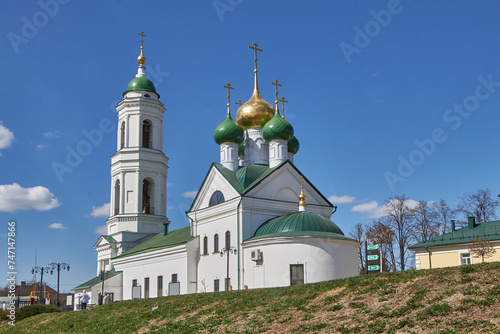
[[293, 145], [228, 132], [277, 128], [241, 149], [141, 83], [299, 223]]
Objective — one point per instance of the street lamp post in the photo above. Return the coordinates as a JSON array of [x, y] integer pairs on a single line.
[[59, 266], [41, 270], [230, 250]]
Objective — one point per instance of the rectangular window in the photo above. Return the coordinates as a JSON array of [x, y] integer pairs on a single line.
[[160, 286], [227, 283], [146, 287], [216, 285], [134, 282], [466, 259], [216, 243], [174, 278], [296, 274]]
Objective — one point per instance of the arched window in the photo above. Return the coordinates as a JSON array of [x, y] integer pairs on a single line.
[[228, 240], [205, 245], [216, 243], [147, 197], [122, 135], [217, 197], [117, 197], [147, 135]]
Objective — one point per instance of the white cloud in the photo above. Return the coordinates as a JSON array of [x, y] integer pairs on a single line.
[[6, 137], [101, 230], [53, 134], [371, 209], [101, 211], [170, 184], [341, 199], [57, 226], [14, 198], [41, 146], [189, 194]]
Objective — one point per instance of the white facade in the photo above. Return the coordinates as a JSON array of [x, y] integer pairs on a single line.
[[237, 198]]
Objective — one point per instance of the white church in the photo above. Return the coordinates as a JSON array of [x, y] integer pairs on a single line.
[[256, 221]]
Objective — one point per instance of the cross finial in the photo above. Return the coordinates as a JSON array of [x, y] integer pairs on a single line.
[[276, 84], [141, 59], [142, 37], [228, 86], [255, 49], [283, 101], [239, 103]]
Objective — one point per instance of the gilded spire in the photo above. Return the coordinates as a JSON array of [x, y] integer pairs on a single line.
[[276, 84], [228, 86], [255, 49], [302, 197], [283, 101], [141, 59]]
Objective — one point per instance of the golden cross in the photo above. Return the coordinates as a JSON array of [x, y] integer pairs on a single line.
[[283, 101], [255, 49], [142, 36], [228, 86], [239, 102], [276, 84]]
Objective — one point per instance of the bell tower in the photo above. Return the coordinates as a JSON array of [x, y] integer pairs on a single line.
[[138, 168]]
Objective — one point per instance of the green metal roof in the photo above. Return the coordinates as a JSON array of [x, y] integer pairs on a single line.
[[248, 177], [277, 128], [109, 238], [293, 145], [160, 241], [141, 83], [298, 223], [228, 132], [487, 230], [97, 280]]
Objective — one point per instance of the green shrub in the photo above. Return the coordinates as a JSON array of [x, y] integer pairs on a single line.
[[467, 269], [31, 310]]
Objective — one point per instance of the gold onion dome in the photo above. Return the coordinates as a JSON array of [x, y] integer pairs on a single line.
[[254, 113], [228, 132], [277, 128]]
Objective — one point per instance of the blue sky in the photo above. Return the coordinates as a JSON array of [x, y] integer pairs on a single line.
[[386, 97]]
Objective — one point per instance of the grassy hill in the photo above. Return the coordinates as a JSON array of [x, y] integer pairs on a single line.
[[450, 300]]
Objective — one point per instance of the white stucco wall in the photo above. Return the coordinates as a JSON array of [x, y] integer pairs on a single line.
[[323, 260]]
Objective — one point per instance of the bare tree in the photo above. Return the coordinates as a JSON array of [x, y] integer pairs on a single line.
[[399, 217], [444, 215], [426, 221], [481, 248], [358, 233], [479, 205], [381, 234]]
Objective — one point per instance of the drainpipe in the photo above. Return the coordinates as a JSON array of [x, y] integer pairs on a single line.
[[427, 249], [239, 243]]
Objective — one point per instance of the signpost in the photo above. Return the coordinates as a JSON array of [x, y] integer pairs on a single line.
[[373, 257]]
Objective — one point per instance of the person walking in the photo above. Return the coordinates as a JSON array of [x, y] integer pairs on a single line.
[[84, 299]]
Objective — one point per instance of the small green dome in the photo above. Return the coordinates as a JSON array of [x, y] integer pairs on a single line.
[[299, 223], [293, 145], [228, 132], [277, 129], [141, 83], [241, 149]]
